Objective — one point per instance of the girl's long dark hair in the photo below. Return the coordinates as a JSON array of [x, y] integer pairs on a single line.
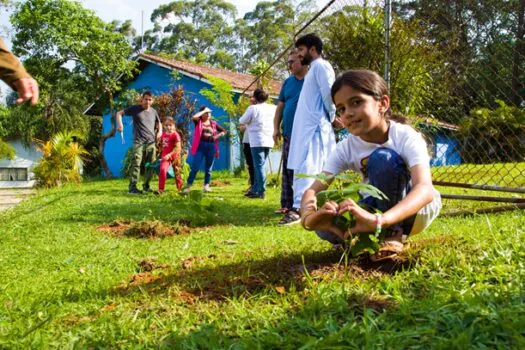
[[369, 83]]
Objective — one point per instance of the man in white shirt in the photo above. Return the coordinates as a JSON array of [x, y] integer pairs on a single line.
[[313, 137]]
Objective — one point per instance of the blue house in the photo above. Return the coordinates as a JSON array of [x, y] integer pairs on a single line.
[[156, 74], [444, 142]]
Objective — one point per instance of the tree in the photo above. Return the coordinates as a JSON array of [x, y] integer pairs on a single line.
[[480, 44], [125, 28], [267, 30], [61, 162], [60, 108], [6, 150], [200, 31], [353, 38], [55, 33], [175, 104]]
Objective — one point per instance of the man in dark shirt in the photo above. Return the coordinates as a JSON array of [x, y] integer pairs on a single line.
[[284, 117], [144, 119]]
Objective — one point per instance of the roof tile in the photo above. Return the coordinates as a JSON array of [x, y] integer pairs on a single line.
[[238, 80]]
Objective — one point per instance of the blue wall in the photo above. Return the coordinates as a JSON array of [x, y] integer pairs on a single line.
[[159, 80], [445, 151]]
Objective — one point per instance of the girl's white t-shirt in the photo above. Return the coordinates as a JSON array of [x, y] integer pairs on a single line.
[[353, 154], [258, 119]]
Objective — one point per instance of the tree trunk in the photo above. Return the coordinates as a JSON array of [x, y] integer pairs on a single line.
[[105, 137], [517, 84]]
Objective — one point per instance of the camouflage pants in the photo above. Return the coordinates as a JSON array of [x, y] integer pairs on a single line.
[[140, 150]]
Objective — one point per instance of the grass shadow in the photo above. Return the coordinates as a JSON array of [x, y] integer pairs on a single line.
[[196, 280], [211, 211]]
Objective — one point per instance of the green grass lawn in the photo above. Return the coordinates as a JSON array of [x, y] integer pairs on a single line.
[[237, 281], [496, 174]]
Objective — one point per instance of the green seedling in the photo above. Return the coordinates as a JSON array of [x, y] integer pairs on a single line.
[[346, 188]]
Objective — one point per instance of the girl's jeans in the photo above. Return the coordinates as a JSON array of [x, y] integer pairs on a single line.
[[205, 151], [388, 172]]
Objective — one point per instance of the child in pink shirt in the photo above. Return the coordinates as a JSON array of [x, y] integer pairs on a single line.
[[170, 155]]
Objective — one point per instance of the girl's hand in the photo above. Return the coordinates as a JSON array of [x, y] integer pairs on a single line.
[[166, 157], [365, 221], [322, 219]]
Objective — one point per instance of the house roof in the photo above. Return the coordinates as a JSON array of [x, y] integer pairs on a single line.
[[239, 81]]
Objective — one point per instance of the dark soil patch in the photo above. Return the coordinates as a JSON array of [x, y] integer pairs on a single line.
[[149, 229], [197, 281], [220, 183], [195, 260], [146, 229], [377, 304], [116, 226], [150, 264], [142, 278], [185, 297]]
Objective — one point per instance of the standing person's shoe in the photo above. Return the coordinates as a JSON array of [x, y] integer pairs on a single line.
[[206, 188], [186, 190], [134, 191], [254, 195], [290, 218], [147, 190]]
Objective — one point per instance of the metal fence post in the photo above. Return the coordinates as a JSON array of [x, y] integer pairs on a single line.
[[388, 20]]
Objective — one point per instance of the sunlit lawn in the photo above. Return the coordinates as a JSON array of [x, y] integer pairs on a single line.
[[236, 280]]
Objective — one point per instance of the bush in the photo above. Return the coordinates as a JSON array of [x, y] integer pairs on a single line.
[[490, 136], [92, 167], [62, 159], [6, 151]]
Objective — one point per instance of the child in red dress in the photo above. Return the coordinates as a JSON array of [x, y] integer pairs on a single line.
[[170, 155]]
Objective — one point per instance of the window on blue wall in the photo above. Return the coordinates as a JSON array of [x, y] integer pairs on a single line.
[[13, 174]]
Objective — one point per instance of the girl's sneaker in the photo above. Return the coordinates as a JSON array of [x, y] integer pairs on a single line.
[[186, 190], [206, 188]]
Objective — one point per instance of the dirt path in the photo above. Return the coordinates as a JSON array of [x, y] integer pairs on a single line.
[[11, 197]]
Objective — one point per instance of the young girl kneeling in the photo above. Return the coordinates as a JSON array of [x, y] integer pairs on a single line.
[[170, 155], [390, 156]]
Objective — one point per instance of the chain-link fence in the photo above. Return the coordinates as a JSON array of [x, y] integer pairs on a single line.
[[455, 68]]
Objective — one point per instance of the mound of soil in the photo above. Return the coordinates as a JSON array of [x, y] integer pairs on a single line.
[[116, 226], [149, 229], [146, 229], [220, 183]]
